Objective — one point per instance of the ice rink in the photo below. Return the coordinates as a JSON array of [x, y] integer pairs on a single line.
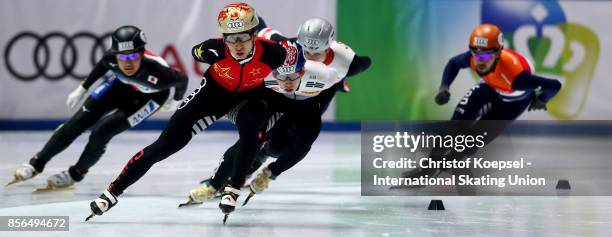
[[319, 197]]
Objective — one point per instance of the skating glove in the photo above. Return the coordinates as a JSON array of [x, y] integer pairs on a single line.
[[76, 96], [536, 104], [171, 105], [443, 96], [344, 86]]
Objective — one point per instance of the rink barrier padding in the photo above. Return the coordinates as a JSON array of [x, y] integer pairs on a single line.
[[585, 127], [41, 125]]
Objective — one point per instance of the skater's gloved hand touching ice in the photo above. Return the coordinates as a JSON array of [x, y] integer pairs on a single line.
[[76, 96]]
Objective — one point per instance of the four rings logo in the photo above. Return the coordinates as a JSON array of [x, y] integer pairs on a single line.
[[41, 54]]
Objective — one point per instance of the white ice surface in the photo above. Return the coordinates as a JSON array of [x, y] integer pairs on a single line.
[[319, 197]]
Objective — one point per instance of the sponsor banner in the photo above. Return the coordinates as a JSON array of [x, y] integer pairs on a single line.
[[49, 46]]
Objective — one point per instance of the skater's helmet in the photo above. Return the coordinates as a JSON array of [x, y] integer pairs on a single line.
[[315, 35], [486, 37], [293, 67], [236, 18], [128, 38]]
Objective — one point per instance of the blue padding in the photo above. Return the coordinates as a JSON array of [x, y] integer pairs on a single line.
[[595, 128], [32, 125]]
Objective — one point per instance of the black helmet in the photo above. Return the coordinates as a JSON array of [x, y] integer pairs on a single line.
[[128, 38]]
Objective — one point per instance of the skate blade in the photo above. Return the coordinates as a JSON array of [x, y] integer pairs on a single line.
[[90, 216], [248, 198], [189, 203], [50, 188], [225, 217], [14, 181]]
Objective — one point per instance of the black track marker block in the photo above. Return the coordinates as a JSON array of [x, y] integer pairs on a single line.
[[436, 205], [563, 184]]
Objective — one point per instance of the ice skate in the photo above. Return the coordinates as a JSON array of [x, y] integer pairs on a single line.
[[200, 194], [102, 204], [58, 182], [23, 173], [259, 184], [228, 201]]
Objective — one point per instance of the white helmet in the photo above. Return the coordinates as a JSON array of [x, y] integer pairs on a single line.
[[315, 35]]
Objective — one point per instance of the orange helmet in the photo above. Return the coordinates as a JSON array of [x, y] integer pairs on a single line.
[[486, 36], [236, 18]]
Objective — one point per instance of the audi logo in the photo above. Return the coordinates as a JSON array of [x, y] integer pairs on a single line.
[[41, 54]]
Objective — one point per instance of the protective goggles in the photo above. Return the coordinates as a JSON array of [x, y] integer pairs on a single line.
[[290, 77], [484, 55], [238, 38], [129, 56]]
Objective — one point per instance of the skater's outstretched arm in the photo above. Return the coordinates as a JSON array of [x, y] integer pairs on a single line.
[[450, 72], [98, 71], [452, 68], [358, 65]]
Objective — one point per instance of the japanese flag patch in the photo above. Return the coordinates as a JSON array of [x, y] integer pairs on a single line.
[[152, 80]]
